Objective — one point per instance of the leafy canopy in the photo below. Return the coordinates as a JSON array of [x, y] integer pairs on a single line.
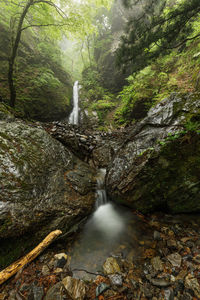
[[55, 17]]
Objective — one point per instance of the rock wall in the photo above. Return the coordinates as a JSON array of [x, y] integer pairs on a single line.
[[43, 186], [158, 165]]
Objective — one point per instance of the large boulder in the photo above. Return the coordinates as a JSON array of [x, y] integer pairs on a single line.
[[158, 166], [43, 186]]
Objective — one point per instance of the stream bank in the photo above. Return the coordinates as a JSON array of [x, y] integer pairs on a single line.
[[167, 267]]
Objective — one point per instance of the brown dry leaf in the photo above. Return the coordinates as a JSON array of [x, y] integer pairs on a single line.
[[99, 279], [149, 253], [185, 239]]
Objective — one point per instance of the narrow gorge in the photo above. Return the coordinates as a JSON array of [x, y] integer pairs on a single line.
[[99, 146]]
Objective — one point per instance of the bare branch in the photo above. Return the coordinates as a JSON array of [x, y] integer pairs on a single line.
[[44, 25], [58, 9]]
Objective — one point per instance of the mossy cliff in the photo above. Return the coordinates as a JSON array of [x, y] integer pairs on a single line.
[[158, 167], [44, 88]]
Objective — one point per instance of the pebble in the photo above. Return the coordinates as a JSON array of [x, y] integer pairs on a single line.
[[157, 263], [169, 294], [111, 266], [61, 262], [175, 259], [75, 288], [45, 270], [156, 235], [160, 282], [116, 279], [55, 292]]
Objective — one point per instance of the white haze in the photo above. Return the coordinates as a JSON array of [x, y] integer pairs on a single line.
[[107, 220]]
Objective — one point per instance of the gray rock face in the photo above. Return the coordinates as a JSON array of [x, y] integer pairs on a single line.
[[98, 147], [43, 186], [156, 167]]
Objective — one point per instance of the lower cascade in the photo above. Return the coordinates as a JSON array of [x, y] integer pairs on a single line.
[[105, 233], [73, 118]]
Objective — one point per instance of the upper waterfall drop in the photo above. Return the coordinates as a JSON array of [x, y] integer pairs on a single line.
[[73, 118]]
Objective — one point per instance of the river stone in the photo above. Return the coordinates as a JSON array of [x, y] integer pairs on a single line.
[[157, 263], [43, 186], [111, 266], [60, 256], [75, 288], [116, 279], [192, 283], [157, 166], [45, 270], [55, 292], [175, 259]]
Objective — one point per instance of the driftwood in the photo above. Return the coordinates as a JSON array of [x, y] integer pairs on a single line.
[[16, 266]]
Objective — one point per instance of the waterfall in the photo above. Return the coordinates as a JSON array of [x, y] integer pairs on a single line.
[[73, 118], [101, 197]]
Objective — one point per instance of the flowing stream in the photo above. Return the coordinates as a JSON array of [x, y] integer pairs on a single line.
[[111, 231], [73, 118]]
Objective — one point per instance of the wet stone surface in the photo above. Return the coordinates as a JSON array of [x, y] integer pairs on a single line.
[[147, 273]]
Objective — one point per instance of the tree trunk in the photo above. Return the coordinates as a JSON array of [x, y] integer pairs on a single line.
[[11, 85], [16, 266], [14, 53]]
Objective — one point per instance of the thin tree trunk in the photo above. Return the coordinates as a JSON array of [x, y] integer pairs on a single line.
[[14, 54], [88, 46], [82, 54]]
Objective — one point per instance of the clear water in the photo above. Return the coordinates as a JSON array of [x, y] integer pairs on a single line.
[[111, 230]]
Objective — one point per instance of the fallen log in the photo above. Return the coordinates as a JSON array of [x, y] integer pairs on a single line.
[[16, 266]]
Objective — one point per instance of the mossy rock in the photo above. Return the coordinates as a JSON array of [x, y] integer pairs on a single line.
[[43, 186], [158, 166]]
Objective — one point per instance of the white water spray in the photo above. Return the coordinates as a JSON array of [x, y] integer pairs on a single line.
[[106, 218], [73, 118]]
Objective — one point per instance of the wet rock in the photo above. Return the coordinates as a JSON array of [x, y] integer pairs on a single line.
[[55, 292], [111, 266], [3, 296], [192, 283], [109, 293], [35, 292], [148, 290], [116, 279], [102, 156], [147, 173], [75, 288], [156, 235], [101, 288], [43, 185], [58, 270], [172, 244], [45, 270], [175, 259], [60, 256], [160, 282], [157, 263], [186, 296], [61, 263], [169, 294], [12, 295]]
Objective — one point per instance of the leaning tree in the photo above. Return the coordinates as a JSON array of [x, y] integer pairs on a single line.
[[28, 14]]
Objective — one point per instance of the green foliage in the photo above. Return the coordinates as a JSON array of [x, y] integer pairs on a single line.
[[159, 28], [177, 71]]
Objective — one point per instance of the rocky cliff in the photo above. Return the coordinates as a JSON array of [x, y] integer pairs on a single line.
[[158, 166], [43, 185]]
